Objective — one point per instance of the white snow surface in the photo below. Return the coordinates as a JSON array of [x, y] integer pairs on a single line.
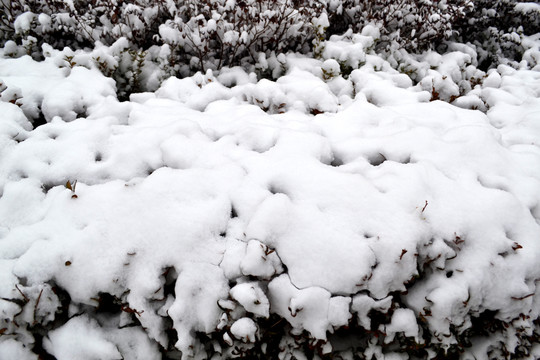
[[244, 329], [328, 194], [252, 298], [83, 338]]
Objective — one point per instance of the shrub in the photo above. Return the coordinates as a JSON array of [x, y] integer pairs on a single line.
[[163, 37], [216, 33], [497, 29], [224, 33], [81, 23], [412, 24]]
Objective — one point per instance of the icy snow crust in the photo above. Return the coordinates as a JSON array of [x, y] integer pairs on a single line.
[[254, 206]]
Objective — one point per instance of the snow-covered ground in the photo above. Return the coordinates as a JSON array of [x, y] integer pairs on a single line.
[[219, 200]]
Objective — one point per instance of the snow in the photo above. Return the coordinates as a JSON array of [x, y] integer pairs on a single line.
[[244, 329], [252, 298], [526, 7], [260, 261], [195, 307], [80, 338], [219, 201], [12, 349], [80, 90], [362, 305], [306, 309], [83, 338], [23, 22], [348, 49], [403, 320]]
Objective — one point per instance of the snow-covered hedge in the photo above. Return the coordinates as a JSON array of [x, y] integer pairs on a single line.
[[366, 201], [497, 29], [213, 33], [180, 38], [139, 44], [316, 216], [210, 34], [82, 23], [222, 33], [412, 24]]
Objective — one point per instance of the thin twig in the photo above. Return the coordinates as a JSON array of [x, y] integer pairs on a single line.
[[425, 206], [36, 306], [523, 297], [24, 296]]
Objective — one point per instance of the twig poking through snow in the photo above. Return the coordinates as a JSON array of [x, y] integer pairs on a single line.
[[425, 206], [36, 306], [522, 297], [24, 296], [403, 252]]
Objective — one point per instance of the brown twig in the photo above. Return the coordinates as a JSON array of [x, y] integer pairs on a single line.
[[522, 297], [403, 252], [36, 306], [24, 296], [127, 309], [425, 206]]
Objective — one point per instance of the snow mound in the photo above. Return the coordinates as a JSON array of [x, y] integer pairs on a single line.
[[189, 217]]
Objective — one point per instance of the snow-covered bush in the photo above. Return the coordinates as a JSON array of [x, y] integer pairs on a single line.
[[9, 10], [156, 36], [81, 23], [216, 33], [497, 29], [329, 214], [224, 32], [143, 42], [30, 27], [412, 24]]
